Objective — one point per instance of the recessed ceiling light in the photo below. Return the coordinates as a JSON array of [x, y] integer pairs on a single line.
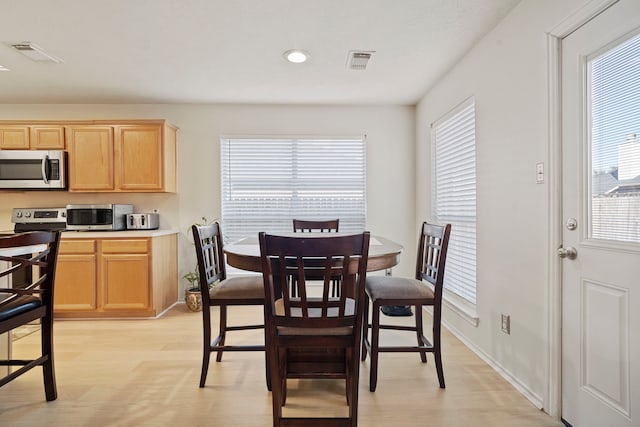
[[296, 56], [34, 52]]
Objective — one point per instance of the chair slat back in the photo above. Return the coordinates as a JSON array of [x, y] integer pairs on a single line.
[[36, 251], [432, 252], [210, 255], [317, 226], [314, 259]]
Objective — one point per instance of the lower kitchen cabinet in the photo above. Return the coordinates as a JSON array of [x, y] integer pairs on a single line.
[[76, 277], [123, 277]]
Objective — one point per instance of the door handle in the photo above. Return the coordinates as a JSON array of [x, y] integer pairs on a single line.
[[568, 252]]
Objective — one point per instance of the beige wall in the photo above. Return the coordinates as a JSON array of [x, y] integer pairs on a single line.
[[389, 134], [507, 74]]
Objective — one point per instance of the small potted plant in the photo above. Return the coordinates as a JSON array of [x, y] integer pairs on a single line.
[[192, 296]]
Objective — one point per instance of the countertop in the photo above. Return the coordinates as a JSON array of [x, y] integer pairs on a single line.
[[115, 234]]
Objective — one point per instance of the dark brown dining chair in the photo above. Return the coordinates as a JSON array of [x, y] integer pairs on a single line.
[[321, 226], [325, 226], [423, 290], [314, 336], [218, 290], [32, 255]]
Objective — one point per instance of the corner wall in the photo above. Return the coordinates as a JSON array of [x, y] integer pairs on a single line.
[[507, 74]]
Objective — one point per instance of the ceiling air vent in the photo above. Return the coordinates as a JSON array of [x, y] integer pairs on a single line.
[[34, 52], [358, 60]]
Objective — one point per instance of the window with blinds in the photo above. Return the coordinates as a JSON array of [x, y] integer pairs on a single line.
[[266, 182], [614, 104], [454, 195]]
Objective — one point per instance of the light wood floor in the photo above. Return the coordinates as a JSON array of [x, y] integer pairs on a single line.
[[146, 373]]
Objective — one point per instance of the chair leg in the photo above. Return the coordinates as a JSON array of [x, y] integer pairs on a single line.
[[206, 338], [353, 389], [267, 358], [48, 369], [420, 332], [437, 347], [283, 376], [375, 334], [365, 327], [222, 330], [276, 383]]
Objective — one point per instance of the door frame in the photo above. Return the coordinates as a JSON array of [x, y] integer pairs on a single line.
[[553, 352]]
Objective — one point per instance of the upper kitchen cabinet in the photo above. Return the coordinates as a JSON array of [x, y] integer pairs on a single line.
[[37, 137], [14, 137], [135, 156], [46, 137], [145, 158], [91, 154]]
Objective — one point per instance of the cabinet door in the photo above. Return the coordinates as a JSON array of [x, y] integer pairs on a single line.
[[125, 281], [139, 158], [14, 137], [47, 137], [90, 158], [75, 287]]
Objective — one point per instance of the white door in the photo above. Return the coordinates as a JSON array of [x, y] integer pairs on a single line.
[[601, 215]]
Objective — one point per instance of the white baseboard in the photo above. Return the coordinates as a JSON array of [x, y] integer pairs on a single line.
[[534, 398]]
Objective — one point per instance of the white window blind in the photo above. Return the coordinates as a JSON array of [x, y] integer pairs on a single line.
[[614, 104], [266, 182], [454, 195]]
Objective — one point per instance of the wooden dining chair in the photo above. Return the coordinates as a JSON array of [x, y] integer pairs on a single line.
[[314, 336], [325, 226], [320, 226], [218, 290], [32, 255], [423, 290]]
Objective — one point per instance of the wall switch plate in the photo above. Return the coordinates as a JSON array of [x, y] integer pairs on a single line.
[[539, 173], [506, 324]]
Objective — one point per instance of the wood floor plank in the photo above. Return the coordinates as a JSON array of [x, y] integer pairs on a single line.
[[146, 373]]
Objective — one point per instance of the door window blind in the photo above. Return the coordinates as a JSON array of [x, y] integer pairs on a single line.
[[614, 110], [454, 195], [266, 182]]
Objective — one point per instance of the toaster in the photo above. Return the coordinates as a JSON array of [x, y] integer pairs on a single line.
[[143, 221]]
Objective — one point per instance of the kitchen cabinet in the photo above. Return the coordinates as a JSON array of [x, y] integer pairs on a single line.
[[76, 276], [104, 155], [37, 137], [46, 137], [135, 157], [91, 158], [14, 137], [145, 158], [125, 274], [116, 277]]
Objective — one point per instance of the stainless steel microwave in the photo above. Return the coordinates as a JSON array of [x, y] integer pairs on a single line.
[[33, 170], [98, 217]]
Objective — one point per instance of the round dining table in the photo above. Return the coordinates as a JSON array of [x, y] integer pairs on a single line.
[[245, 253]]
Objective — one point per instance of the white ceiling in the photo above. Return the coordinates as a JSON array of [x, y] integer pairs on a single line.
[[230, 51]]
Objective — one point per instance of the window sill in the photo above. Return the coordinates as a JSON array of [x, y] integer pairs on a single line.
[[461, 307]]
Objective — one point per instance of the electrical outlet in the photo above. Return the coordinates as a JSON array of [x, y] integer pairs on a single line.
[[506, 324]]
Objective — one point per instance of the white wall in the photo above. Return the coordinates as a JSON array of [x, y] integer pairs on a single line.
[[390, 150], [507, 74]]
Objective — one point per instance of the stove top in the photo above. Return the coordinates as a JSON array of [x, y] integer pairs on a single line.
[[32, 219]]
